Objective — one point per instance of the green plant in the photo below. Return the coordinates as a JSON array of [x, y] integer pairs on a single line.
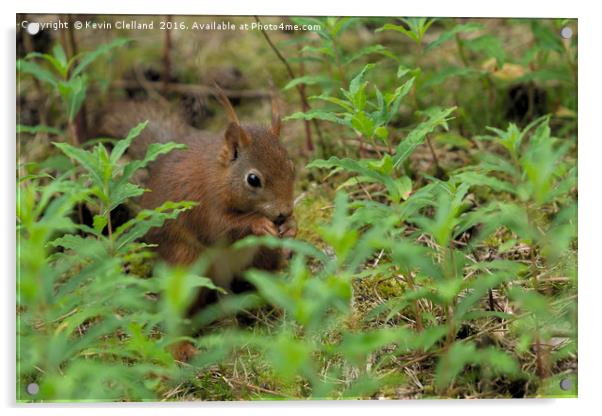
[[66, 77], [82, 313]]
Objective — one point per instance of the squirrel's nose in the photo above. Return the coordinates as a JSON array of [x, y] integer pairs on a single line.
[[281, 218]]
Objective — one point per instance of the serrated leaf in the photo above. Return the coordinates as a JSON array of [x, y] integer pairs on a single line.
[[477, 179], [123, 145], [86, 159], [147, 219], [363, 168], [418, 135], [319, 115]]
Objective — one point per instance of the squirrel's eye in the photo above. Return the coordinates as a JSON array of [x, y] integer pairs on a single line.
[[253, 180]]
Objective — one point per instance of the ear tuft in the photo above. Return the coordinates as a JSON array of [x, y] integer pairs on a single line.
[[276, 120], [225, 102]]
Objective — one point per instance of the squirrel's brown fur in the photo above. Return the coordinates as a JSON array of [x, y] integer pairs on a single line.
[[214, 172]]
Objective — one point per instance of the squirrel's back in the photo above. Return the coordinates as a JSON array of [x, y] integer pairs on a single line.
[[164, 124]]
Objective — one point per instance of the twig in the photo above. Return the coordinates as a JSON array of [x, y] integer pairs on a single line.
[[300, 88], [366, 146], [305, 105], [435, 159], [198, 89], [256, 388]]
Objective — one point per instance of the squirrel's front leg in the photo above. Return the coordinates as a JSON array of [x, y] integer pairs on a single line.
[[263, 226], [243, 225]]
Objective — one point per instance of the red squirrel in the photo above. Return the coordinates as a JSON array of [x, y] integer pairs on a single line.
[[241, 178]]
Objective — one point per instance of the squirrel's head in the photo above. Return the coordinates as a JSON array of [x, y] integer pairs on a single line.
[[260, 175]]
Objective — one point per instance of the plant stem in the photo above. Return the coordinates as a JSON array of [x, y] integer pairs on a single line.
[[461, 51], [73, 133], [109, 226], [435, 159], [337, 57], [300, 88]]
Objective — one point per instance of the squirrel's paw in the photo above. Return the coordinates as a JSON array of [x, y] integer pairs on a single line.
[[289, 228], [263, 226]]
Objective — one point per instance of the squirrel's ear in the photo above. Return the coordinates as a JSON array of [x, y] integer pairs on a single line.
[[276, 120], [235, 138]]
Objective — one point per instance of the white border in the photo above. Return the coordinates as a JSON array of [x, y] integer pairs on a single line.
[[590, 165]]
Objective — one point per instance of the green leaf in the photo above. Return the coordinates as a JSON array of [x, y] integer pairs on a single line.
[[382, 133], [341, 103], [119, 194], [123, 145], [84, 247], [478, 289], [87, 58], [417, 27], [99, 223], [38, 129], [450, 34], [548, 74], [317, 114], [369, 50], [489, 44], [152, 152], [428, 337], [37, 71], [531, 301], [296, 246], [453, 362], [357, 81], [73, 93], [547, 39], [404, 187], [289, 356], [147, 219], [448, 72], [418, 135], [500, 362], [343, 24], [363, 168], [86, 159], [54, 62], [61, 59], [356, 347], [477, 179], [308, 80], [363, 124]]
